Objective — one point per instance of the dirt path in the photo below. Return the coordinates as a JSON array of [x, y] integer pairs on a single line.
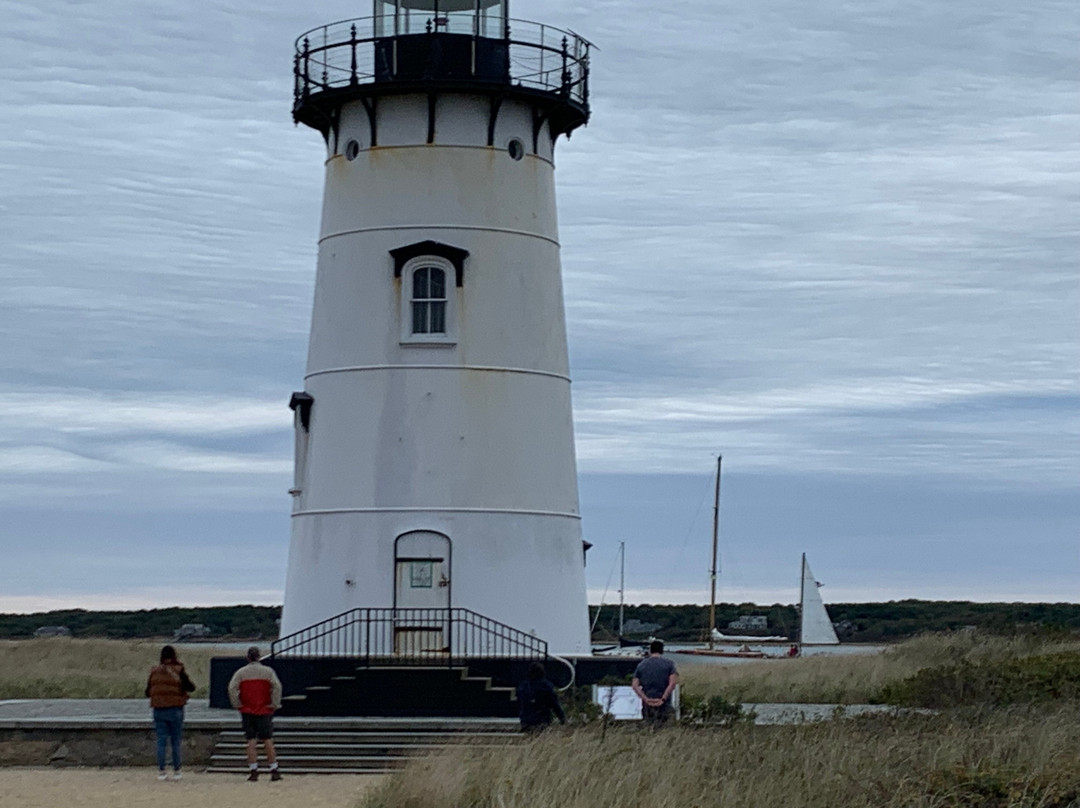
[[139, 788]]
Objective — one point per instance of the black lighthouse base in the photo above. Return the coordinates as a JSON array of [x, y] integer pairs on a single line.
[[344, 686]]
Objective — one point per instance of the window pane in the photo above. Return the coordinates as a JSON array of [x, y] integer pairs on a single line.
[[438, 283], [438, 317], [419, 318], [420, 574], [420, 283]]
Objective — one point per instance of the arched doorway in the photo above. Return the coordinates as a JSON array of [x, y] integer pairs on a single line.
[[421, 593]]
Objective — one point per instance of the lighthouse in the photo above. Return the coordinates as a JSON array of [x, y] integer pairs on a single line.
[[434, 446]]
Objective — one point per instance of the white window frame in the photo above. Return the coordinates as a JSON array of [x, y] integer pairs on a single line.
[[438, 340]]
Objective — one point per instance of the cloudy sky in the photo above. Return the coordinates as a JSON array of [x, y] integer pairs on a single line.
[[835, 242]]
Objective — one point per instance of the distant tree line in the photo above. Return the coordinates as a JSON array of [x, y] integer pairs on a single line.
[[224, 622], [856, 622]]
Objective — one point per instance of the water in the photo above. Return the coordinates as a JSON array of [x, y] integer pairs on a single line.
[[772, 650]]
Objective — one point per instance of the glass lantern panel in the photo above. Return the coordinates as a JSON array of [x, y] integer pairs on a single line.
[[484, 18], [384, 14]]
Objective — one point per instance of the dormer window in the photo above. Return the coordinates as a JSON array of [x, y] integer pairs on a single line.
[[432, 275], [427, 302]]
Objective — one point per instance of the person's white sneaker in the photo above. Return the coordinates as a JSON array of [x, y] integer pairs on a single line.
[[177, 775], [162, 776]]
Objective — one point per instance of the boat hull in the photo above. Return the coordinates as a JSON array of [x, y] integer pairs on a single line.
[[732, 654]]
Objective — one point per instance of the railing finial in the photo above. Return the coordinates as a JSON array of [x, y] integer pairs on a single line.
[[353, 79]]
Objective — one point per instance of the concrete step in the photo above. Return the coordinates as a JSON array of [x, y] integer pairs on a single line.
[[265, 773], [353, 749], [316, 761], [282, 737], [391, 724], [373, 768], [380, 749], [377, 743], [489, 687]]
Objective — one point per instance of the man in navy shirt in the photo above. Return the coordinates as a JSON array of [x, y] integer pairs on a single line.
[[654, 680]]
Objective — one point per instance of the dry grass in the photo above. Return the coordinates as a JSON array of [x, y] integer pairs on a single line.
[[1006, 759], [61, 667], [855, 679]]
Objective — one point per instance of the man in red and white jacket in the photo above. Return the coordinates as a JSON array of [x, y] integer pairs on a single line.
[[255, 691]]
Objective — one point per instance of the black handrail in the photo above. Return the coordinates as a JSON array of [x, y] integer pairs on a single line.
[[540, 57], [387, 636]]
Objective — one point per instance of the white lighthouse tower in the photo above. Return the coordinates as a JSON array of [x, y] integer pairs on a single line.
[[435, 462]]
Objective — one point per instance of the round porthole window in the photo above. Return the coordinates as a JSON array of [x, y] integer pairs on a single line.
[[352, 148], [516, 149]]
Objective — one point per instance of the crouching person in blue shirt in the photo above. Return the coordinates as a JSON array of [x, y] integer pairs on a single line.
[[537, 701]]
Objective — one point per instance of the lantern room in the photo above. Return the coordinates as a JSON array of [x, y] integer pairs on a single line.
[[429, 40]]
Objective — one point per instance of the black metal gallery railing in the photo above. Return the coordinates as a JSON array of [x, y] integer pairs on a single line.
[[366, 50], [382, 636]]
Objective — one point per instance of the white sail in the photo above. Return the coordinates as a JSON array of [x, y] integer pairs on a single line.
[[817, 628]]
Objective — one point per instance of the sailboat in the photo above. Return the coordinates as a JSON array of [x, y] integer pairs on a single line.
[[714, 635], [815, 626], [623, 642]]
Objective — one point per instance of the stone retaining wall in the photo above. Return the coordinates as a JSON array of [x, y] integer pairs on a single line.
[[97, 747]]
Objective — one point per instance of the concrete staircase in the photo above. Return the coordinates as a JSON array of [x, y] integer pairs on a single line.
[[406, 691], [371, 747]]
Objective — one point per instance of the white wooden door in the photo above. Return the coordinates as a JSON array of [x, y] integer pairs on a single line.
[[421, 581]]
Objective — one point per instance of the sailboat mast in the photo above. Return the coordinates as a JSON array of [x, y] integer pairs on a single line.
[[712, 569], [622, 583]]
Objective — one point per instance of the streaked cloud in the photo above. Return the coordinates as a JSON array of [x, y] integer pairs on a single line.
[[44, 460], [110, 414], [826, 240]]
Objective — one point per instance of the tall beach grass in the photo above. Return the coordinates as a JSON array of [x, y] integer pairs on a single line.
[[62, 667], [1022, 756], [858, 678], [1017, 758]]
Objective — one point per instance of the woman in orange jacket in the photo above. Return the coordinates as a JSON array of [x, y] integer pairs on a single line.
[[167, 688]]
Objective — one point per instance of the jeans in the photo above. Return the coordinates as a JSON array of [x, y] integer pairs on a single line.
[[169, 726]]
